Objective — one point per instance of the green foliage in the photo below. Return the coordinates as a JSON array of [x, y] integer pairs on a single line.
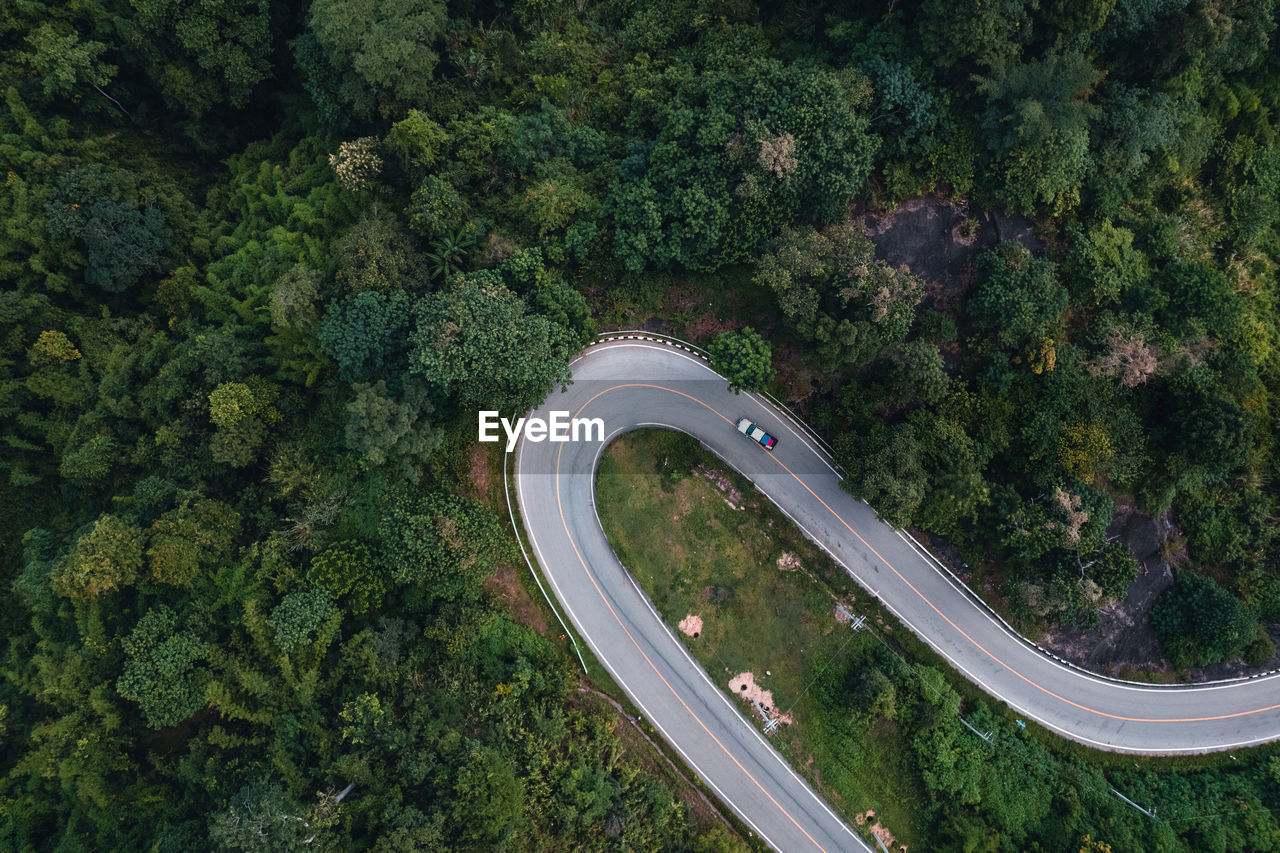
[[1199, 622], [905, 108], [381, 53], [917, 373], [299, 615], [735, 156], [744, 358], [64, 63], [195, 536], [351, 575], [383, 429], [367, 334], [883, 468], [836, 296], [416, 142], [1037, 125], [242, 413], [1103, 264], [443, 544], [1018, 297], [202, 54], [160, 670], [375, 254], [973, 31], [477, 342], [104, 558], [120, 242]]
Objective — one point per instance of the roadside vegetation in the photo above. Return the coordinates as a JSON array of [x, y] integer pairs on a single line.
[[870, 716]]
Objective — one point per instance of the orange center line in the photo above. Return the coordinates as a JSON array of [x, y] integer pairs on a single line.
[[925, 598], [591, 577]]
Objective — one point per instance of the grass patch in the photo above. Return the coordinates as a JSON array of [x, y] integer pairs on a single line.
[[701, 541], [874, 713]]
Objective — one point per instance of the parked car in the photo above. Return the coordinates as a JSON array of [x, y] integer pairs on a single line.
[[754, 433]]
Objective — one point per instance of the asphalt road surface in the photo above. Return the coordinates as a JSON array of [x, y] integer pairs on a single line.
[[634, 383]]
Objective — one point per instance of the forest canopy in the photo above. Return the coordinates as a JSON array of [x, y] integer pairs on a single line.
[[260, 262]]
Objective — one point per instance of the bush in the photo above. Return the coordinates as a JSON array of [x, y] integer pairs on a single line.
[[1200, 623]]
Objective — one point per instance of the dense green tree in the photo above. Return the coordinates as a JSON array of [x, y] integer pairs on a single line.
[[953, 461], [242, 413], [477, 342], [386, 429], [441, 543], [735, 156], [1199, 622], [195, 536], [160, 670], [104, 558], [120, 242], [744, 358], [1037, 125], [1018, 296], [883, 468], [905, 108], [65, 64], [836, 295], [299, 615], [917, 373], [416, 142], [202, 54], [382, 53], [1103, 264], [367, 334], [973, 31], [375, 254], [349, 572]]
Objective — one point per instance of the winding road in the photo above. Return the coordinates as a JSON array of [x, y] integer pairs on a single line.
[[634, 383]]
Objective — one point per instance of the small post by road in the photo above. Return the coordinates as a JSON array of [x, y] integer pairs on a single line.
[[855, 622], [769, 725]]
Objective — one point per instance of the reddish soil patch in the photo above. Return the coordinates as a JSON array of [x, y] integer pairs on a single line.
[[733, 497], [744, 686], [481, 472], [880, 832], [505, 586], [789, 562], [691, 625]]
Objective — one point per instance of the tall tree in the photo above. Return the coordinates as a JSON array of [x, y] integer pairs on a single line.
[[382, 52], [477, 342], [744, 358]]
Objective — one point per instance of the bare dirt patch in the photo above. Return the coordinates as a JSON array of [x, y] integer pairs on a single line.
[[505, 586], [880, 832], [691, 625], [708, 325], [481, 473], [789, 562], [733, 497], [744, 685]]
